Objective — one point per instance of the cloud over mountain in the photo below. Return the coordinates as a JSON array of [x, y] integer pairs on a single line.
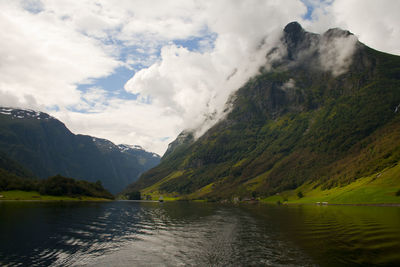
[[184, 58]]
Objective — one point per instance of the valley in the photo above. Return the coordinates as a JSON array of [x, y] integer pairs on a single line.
[[200, 133]]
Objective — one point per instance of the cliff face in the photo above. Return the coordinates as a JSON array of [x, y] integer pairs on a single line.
[[325, 113]]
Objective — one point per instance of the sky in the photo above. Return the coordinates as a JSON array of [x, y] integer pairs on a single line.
[[139, 72]]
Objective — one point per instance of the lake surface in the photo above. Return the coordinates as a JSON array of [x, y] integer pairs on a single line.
[[196, 234]]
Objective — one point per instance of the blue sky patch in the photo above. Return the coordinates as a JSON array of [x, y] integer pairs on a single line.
[[198, 43], [137, 58], [113, 84]]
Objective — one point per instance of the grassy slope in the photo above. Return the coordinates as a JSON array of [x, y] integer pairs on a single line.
[[33, 195], [373, 189], [154, 192], [377, 188]]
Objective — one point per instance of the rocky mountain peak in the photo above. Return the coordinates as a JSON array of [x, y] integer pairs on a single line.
[[294, 30], [297, 40]]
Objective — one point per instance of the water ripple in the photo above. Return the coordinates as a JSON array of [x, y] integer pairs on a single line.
[[194, 234]]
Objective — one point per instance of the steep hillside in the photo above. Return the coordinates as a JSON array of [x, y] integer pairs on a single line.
[[326, 113], [46, 147], [10, 166]]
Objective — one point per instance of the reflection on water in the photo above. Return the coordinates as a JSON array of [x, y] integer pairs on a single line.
[[340, 235], [196, 234]]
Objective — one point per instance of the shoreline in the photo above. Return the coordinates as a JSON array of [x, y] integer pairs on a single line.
[[270, 203], [34, 196], [56, 200], [338, 204], [48, 198]]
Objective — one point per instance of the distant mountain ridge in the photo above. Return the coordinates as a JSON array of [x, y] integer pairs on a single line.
[[43, 145], [324, 113], [17, 113]]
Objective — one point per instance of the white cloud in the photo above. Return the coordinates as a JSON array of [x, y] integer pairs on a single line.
[[8, 99], [43, 57], [49, 47], [336, 53], [197, 84], [375, 23], [128, 122], [290, 84]]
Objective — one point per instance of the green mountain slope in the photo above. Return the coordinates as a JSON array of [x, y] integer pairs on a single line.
[[12, 167], [43, 145], [293, 125]]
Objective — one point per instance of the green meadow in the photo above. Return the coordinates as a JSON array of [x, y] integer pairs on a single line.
[[381, 188], [34, 195]]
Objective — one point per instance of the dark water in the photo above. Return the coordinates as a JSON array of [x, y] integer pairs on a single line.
[[196, 234]]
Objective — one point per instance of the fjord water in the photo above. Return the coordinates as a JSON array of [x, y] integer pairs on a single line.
[[196, 234]]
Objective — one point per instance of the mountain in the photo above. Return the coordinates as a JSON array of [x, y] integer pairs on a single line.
[[43, 145], [324, 113], [12, 167]]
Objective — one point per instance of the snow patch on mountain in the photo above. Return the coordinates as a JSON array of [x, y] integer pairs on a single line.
[[24, 113], [124, 148], [102, 144], [127, 148]]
